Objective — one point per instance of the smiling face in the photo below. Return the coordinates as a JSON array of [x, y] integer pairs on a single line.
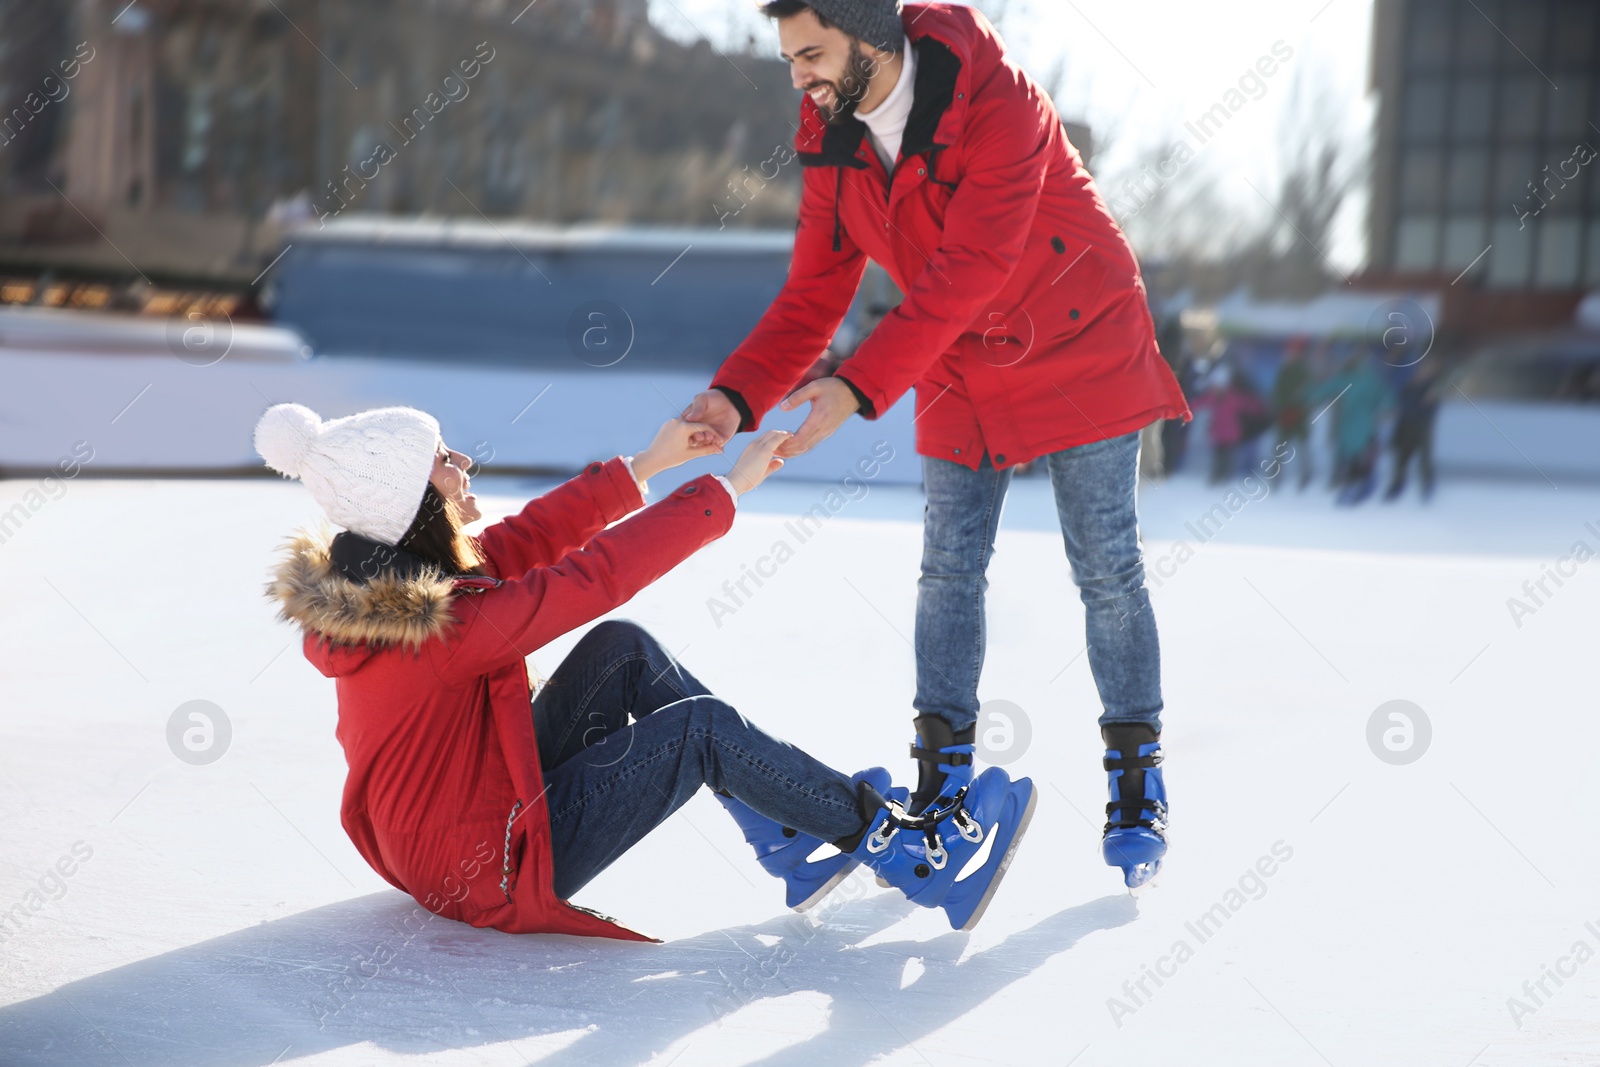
[[830, 66], [450, 478]]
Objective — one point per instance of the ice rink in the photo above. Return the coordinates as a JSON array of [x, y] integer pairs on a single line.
[[1323, 903]]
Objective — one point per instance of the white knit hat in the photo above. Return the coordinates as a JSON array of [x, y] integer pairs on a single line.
[[368, 471]]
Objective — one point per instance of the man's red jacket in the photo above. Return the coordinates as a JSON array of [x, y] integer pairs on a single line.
[[1024, 328]]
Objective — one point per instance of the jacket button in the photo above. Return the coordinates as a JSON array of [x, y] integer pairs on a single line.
[[690, 490], [1001, 458], [920, 172], [1072, 314], [594, 468], [958, 451], [708, 511]]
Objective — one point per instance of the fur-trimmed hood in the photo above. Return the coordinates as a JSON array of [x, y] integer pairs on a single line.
[[349, 590]]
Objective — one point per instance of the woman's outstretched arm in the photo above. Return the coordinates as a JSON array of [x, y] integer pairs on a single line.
[[511, 622], [553, 524], [565, 518]]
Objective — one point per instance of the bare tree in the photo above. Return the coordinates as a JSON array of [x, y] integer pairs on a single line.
[[1320, 165]]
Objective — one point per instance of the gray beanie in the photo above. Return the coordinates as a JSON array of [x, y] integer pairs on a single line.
[[876, 22]]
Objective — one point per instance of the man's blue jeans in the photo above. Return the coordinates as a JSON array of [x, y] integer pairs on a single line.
[[1095, 488], [627, 736]]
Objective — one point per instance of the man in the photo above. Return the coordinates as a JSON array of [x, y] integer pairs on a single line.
[[1024, 329], [1418, 406], [1289, 413]]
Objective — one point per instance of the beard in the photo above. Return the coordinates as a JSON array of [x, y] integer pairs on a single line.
[[849, 89]]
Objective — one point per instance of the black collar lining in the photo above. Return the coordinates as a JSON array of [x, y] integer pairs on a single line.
[[935, 88], [937, 70], [362, 559]]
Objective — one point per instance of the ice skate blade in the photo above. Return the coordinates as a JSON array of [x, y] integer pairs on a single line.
[[1145, 882], [825, 888], [997, 865], [1137, 855]]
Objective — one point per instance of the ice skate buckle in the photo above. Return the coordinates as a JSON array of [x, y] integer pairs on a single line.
[[969, 828], [878, 841], [966, 826]]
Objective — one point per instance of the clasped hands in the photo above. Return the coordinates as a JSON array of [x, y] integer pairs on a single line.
[[711, 420]]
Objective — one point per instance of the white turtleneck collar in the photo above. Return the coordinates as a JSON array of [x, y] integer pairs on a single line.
[[887, 122]]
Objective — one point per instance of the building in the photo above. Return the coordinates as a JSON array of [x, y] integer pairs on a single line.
[[1486, 176], [191, 128]]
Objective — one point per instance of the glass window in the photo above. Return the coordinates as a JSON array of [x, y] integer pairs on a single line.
[[1416, 245], [1567, 112], [1519, 106], [1424, 108], [1558, 253], [1428, 38], [1591, 274], [1421, 179], [1572, 38], [1477, 41], [1523, 25], [1465, 237], [1470, 106], [1560, 179], [1514, 168], [1512, 253], [1467, 178]]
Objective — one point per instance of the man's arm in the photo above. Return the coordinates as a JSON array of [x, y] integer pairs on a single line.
[[986, 227], [801, 321]]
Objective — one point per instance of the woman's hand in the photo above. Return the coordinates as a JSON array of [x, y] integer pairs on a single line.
[[757, 461], [676, 443]]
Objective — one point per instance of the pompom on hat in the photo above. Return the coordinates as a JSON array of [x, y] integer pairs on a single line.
[[368, 471]]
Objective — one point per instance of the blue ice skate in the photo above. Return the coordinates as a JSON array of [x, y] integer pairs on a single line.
[[944, 767], [925, 855], [944, 763], [1136, 818], [786, 852]]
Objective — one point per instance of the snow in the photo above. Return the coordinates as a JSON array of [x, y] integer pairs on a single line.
[[140, 409], [221, 917], [1337, 313], [151, 412]]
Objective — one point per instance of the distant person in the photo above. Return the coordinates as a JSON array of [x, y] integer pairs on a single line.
[[1238, 414], [1024, 330], [1361, 397], [1417, 406], [1175, 432], [1290, 414], [489, 805]]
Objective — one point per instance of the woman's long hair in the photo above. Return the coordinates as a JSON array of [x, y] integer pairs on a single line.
[[436, 535]]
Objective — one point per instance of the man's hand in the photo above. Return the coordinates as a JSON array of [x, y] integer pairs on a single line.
[[676, 443], [831, 402], [716, 414]]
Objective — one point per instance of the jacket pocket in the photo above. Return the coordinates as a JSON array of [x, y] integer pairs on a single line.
[[1073, 295]]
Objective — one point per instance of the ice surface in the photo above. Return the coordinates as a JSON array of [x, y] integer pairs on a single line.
[[221, 917]]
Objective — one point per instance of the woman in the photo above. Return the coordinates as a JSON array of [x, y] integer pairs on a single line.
[[457, 794], [1233, 403]]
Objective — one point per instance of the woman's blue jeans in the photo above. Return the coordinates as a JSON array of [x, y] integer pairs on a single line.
[[1095, 486], [627, 735]]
